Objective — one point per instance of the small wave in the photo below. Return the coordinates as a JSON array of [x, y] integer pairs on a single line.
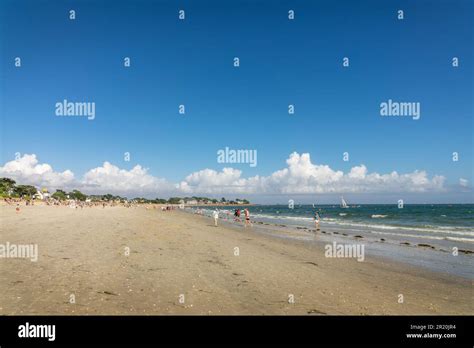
[[419, 236], [447, 230], [283, 217], [450, 230]]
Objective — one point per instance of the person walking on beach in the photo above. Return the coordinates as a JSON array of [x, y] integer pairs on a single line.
[[317, 218], [237, 215], [247, 217], [215, 214]]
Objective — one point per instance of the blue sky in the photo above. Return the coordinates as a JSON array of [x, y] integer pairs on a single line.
[[283, 62]]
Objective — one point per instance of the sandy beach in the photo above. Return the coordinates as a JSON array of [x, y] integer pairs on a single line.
[[179, 263]]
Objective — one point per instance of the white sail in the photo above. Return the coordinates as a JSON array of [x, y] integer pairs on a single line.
[[343, 203]]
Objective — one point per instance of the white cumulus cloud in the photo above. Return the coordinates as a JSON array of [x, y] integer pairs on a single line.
[[111, 179], [463, 182], [300, 176], [26, 170]]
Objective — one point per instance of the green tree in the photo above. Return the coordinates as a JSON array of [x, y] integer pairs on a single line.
[[108, 197], [174, 200], [76, 194], [6, 185], [59, 194], [24, 190]]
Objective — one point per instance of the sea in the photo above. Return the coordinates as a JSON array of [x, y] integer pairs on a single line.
[[437, 236]]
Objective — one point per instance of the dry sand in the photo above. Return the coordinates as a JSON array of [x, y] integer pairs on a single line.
[[82, 252]]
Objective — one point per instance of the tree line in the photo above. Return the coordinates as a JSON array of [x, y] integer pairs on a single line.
[[9, 188]]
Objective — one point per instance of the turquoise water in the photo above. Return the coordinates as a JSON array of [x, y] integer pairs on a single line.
[[437, 222], [454, 221]]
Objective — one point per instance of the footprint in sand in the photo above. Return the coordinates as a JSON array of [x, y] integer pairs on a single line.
[[311, 263], [107, 293]]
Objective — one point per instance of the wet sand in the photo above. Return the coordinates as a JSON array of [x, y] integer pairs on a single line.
[[181, 264]]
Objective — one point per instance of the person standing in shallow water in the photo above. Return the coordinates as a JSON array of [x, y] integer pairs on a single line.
[[215, 214], [247, 218], [237, 215], [317, 219]]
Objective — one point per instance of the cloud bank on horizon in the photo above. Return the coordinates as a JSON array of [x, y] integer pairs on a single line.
[[300, 176]]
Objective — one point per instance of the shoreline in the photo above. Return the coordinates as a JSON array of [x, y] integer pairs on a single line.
[[445, 254], [81, 252], [420, 255], [427, 256]]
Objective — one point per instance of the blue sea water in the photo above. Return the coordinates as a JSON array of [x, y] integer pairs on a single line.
[[432, 221], [441, 221]]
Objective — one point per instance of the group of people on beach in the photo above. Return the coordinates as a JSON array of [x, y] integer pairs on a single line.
[[237, 214], [71, 203], [168, 208], [246, 212]]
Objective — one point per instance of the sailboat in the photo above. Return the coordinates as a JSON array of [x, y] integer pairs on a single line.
[[343, 203]]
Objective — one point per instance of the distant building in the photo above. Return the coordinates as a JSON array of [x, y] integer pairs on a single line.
[[42, 194]]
